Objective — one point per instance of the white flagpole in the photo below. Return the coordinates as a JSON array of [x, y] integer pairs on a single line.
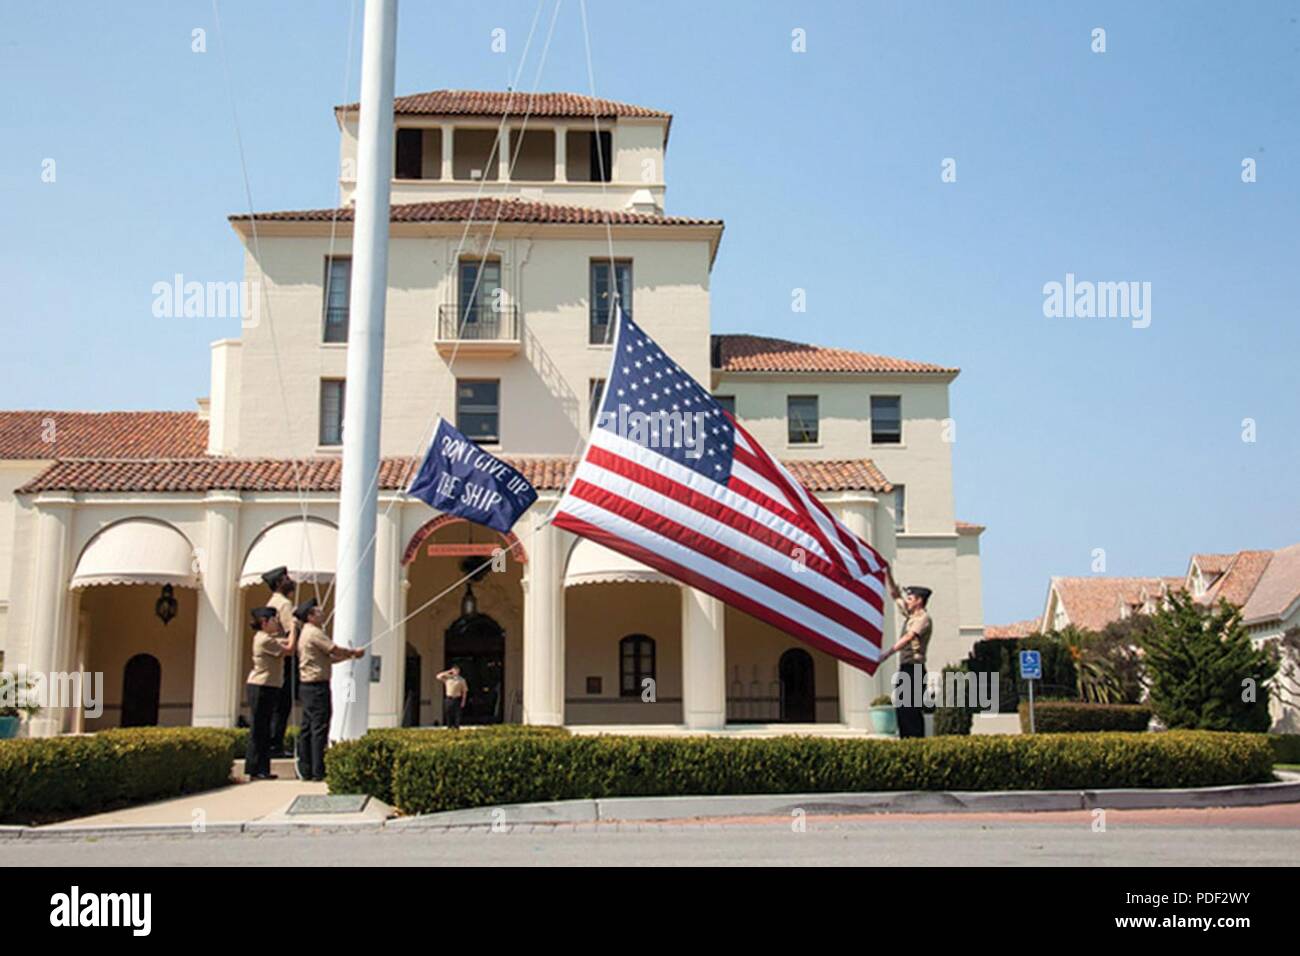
[[359, 496]]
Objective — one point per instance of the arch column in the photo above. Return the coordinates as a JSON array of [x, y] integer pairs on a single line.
[[544, 624], [857, 687], [218, 635], [50, 646], [390, 603], [704, 666]]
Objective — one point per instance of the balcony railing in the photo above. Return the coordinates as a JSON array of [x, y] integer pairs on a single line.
[[478, 323]]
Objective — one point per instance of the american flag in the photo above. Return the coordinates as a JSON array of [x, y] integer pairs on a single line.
[[670, 479]]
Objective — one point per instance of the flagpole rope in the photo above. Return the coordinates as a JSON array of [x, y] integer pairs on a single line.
[[616, 304], [257, 253], [427, 435]]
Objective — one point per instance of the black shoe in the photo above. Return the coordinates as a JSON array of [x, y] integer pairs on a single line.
[[317, 779], [265, 776]]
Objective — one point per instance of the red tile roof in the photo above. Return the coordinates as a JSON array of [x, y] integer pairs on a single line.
[[1093, 602], [487, 209], [323, 474], [1238, 581], [1011, 632], [756, 353], [517, 103], [49, 435], [966, 527]]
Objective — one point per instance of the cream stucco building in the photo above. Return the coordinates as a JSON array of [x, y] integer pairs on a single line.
[[504, 263]]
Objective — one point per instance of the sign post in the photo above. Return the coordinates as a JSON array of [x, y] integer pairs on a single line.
[[1031, 669]]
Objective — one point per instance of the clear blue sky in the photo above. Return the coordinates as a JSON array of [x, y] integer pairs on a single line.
[[1072, 434]]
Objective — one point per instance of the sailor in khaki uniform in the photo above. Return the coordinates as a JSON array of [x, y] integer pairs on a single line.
[[282, 588], [317, 655], [911, 648], [455, 693], [270, 646]]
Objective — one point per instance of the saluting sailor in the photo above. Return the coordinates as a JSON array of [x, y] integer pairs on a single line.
[[910, 648], [282, 587], [317, 655], [270, 647]]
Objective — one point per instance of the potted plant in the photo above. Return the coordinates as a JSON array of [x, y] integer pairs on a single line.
[[883, 718], [15, 704]]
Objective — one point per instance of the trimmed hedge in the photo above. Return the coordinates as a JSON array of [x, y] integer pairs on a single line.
[[49, 778], [366, 765], [1286, 747], [1072, 716], [480, 769]]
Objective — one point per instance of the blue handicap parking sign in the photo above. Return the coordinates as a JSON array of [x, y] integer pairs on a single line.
[[1031, 665]]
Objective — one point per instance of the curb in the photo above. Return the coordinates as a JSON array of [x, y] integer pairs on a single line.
[[629, 809]]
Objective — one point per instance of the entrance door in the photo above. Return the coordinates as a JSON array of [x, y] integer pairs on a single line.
[[411, 698], [477, 644], [141, 682], [798, 694]]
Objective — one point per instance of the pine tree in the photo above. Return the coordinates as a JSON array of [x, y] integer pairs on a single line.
[[1203, 670]]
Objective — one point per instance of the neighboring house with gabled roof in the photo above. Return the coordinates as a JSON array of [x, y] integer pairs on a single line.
[[1264, 584]]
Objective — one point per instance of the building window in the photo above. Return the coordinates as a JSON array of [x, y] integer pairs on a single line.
[[636, 656], [478, 409], [589, 158], [595, 395], [332, 391], [604, 294], [418, 154], [801, 415], [338, 286], [900, 509], [728, 403], [480, 293], [886, 420]]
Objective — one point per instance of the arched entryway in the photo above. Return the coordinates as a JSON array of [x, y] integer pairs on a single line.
[[798, 687], [477, 645], [136, 604], [484, 636], [141, 687]]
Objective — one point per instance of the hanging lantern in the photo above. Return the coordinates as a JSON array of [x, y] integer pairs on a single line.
[[165, 606], [468, 603]]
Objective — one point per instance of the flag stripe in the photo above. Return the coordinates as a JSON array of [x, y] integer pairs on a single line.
[[761, 508], [733, 530], [637, 542], [725, 554]]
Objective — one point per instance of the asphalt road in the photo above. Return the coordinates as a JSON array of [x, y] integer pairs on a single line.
[[1254, 836]]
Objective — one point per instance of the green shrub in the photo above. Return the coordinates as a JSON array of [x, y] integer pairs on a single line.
[[950, 720], [47, 778], [1200, 661], [478, 769], [884, 700], [366, 765], [1072, 716], [1286, 748]]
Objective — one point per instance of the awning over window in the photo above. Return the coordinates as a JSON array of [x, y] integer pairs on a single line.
[[137, 551], [308, 548], [591, 563]]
